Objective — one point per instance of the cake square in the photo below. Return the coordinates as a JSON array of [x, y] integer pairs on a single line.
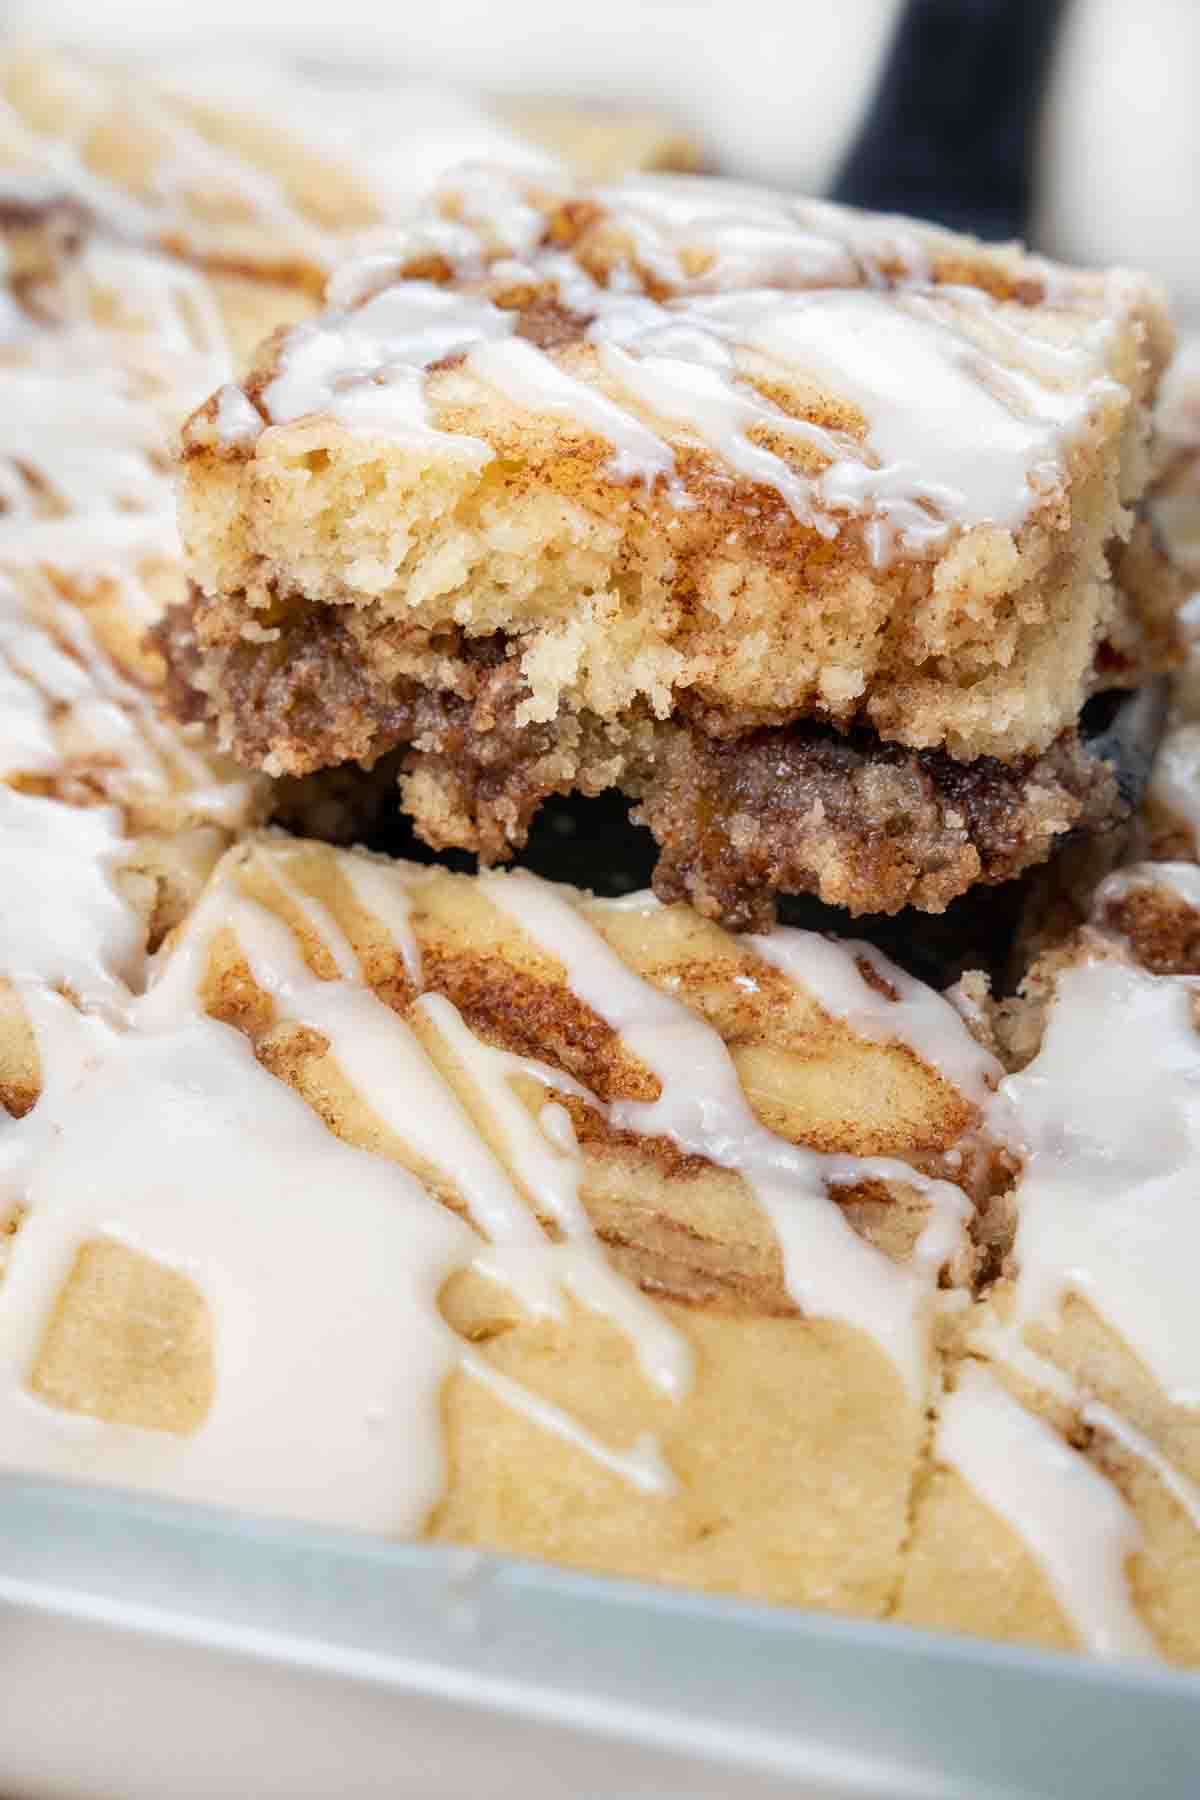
[[1064, 1502], [794, 523]]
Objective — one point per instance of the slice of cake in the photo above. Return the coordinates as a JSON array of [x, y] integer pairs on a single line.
[[252, 167], [795, 524], [1064, 1502]]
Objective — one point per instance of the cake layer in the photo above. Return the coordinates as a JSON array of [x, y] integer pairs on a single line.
[[739, 817], [675, 438]]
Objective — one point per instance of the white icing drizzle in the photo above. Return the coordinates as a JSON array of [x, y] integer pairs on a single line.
[[919, 1017], [89, 510], [386, 899], [238, 420], [641, 900], [325, 927], [829, 1270], [969, 451], [56, 160], [398, 137], [1004, 1344], [184, 177], [380, 1464], [86, 432], [954, 437], [177, 1144], [388, 1068], [1184, 1492], [90, 413], [701, 236], [168, 306], [1105, 1210], [89, 543], [27, 741], [702, 396], [104, 443], [88, 424], [496, 205], [167, 1134], [1073, 1520], [64, 923], [1106, 1203], [387, 142], [532, 380], [970, 415], [365, 367], [385, 1065], [70, 708], [548, 1158], [194, 165], [1174, 787], [642, 1465]]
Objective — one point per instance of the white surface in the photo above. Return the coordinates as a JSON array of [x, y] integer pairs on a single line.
[[172, 1721], [746, 77], [1120, 150]]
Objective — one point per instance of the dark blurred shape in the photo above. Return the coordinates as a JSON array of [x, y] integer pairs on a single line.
[[592, 844], [1125, 730], [950, 134]]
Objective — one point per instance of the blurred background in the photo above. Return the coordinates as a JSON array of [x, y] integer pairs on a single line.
[[1107, 125]]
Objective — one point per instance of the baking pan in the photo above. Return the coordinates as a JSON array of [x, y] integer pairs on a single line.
[[154, 1649]]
